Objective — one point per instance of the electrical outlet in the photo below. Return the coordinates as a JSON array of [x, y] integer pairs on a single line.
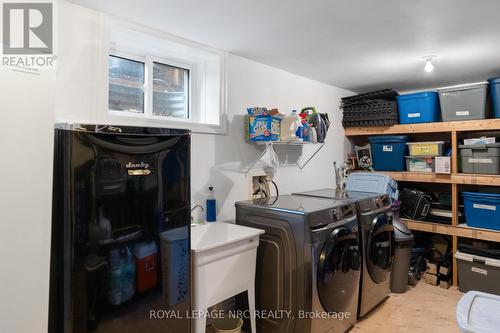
[[259, 186]]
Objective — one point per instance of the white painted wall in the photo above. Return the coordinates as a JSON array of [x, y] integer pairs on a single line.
[[26, 144], [216, 159]]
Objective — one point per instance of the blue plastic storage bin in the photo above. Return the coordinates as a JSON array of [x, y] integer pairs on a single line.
[[495, 95], [419, 108], [371, 182], [388, 152], [482, 210]]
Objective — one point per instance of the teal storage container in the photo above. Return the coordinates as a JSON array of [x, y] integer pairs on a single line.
[[482, 210], [388, 152], [420, 107]]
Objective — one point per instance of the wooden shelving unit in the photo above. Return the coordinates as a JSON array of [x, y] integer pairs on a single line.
[[441, 127], [460, 230], [453, 129]]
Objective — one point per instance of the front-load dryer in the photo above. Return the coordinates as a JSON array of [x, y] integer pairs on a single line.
[[375, 223]]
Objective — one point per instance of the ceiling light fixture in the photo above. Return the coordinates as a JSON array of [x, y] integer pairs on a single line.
[[429, 67]]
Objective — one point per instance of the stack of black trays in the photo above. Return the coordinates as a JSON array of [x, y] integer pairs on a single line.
[[377, 108]]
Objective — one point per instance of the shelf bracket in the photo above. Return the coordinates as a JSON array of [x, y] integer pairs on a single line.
[[250, 167], [310, 158]]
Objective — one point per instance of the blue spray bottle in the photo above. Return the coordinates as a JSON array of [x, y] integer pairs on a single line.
[[211, 206]]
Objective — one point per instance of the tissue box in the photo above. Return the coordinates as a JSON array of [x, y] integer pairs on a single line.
[[263, 128]]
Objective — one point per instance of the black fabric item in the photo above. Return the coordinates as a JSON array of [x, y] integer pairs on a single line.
[[471, 249], [316, 121], [415, 204]]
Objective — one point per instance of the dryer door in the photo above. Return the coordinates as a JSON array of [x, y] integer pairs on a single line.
[[339, 270], [379, 249]]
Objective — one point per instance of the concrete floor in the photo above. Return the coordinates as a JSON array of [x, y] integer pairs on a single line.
[[424, 308]]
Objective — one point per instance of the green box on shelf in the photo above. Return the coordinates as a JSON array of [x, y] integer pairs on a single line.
[[262, 128]]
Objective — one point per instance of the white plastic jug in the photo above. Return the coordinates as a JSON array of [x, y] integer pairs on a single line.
[[289, 126]]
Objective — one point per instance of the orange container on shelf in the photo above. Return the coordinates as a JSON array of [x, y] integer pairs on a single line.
[[146, 265]]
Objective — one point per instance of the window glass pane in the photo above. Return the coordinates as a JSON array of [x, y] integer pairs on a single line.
[[126, 85], [170, 91]]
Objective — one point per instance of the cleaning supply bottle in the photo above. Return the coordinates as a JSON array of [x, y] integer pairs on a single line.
[[211, 205], [297, 125], [289, 127]]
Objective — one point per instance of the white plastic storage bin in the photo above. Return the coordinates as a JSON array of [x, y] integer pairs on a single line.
[[463, 102], [420, 163], [477, 312]]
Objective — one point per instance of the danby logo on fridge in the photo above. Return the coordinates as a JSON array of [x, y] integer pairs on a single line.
[[138, 168]]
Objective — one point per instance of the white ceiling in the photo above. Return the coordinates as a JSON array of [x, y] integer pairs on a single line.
[[359, 45]]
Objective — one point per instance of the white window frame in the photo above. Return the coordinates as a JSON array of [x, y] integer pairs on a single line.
[[198, 118], [173, 63], [148, 61]]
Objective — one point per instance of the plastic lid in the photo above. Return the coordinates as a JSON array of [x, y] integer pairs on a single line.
[[494, 80], [142, 250], [487, 145], [418, 95], [478, 312], [388, 138], [481, 195], [463, 86], [401, 231], [425, 142]]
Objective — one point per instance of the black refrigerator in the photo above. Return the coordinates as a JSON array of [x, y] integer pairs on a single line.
[[120, 230]]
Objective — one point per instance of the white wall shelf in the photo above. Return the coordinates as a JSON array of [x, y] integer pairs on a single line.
[[301, 166]]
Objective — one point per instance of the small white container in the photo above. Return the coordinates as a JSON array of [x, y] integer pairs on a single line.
[[228, 325]]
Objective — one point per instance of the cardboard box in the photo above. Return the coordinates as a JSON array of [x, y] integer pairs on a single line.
[[431, 279], [442, 164], [445, 284], [263, 128], [432, 268], [443, 270]]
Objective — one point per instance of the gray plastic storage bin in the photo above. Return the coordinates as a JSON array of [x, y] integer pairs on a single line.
[[477, 312], [463, 102], [478, 273], [483, 159]]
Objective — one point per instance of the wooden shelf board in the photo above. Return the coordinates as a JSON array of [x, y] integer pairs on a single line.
[[436, 228], [460, 230], [427, 177], [469, 179], [424, 177], [439, 127]]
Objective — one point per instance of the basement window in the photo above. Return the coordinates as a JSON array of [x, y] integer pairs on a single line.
[[170, 91], [126, 85], [159, 80], [128, 88]]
